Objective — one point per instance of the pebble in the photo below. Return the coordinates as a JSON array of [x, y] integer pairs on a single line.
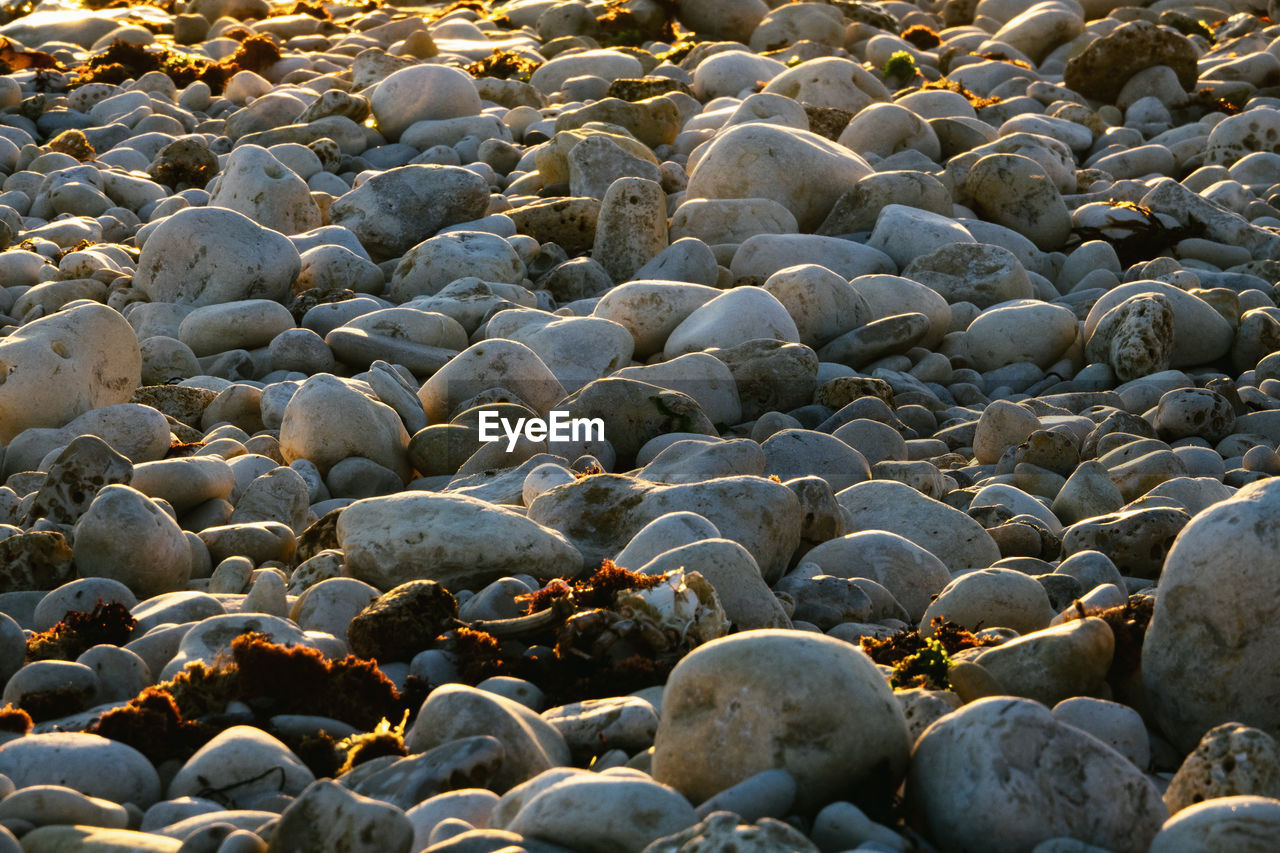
[[961, 786], [713, 716]]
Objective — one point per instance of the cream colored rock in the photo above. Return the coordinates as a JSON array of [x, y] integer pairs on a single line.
[[829, 81], [125, 536], [458, 541], [800, 170], [1202, 660], [1054, 664], [208, 255], [60, 366], [255, 183], [729, 712], [651, 310], [1001, 774], [949, 534], [743, 313], [912, 574], [245, 760], [486, 365], [329, 419], [422, 92], [1242, 824], [1024, 330], [616, 810], [455, 711], [992, 598]]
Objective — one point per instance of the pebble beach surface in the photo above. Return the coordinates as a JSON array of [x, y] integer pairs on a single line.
[[643, 425]]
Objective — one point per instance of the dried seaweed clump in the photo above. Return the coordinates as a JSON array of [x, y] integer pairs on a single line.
[[80, 631], [152, 724], [1138, 240], [976, 101], [504, 65], [921, 661], [297, 680], [619, 26], [1128, 623], [14, 720], [122, 61], [612, 633], [175, 718], [921, 36], [597, 590], [385, 739], [315, 10]]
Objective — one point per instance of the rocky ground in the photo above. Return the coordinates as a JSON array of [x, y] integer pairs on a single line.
[[936, 351]]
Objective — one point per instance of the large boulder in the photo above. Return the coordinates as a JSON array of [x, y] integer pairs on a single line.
[[772, 699], [207, 255], [802, 171], [61, 366], [1208, 656], [1002, 775]]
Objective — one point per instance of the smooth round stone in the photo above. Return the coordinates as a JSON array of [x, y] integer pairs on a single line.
[[122, 674], [1223, 583], [90, 764], [992, 598], [237, 754], [607, 64], [456, 711], [1014, 191], [949, 534], [422, 92], [472, 805], [79, 596], [395, 210], [43, 805], [1053, 664], [46, 675], [1242, 823], [664, 533], [962, 792], [762, 255], [489, 364], [886, 129], [890, 295], [651, 310], [1020, 331], [127, 537], [92, 350], [329, 420], [255, 183], [822, 304], [457, 540], [800, 170], [211, 255], [728, 697], [244, 324], [426, 268], [743, 312]]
